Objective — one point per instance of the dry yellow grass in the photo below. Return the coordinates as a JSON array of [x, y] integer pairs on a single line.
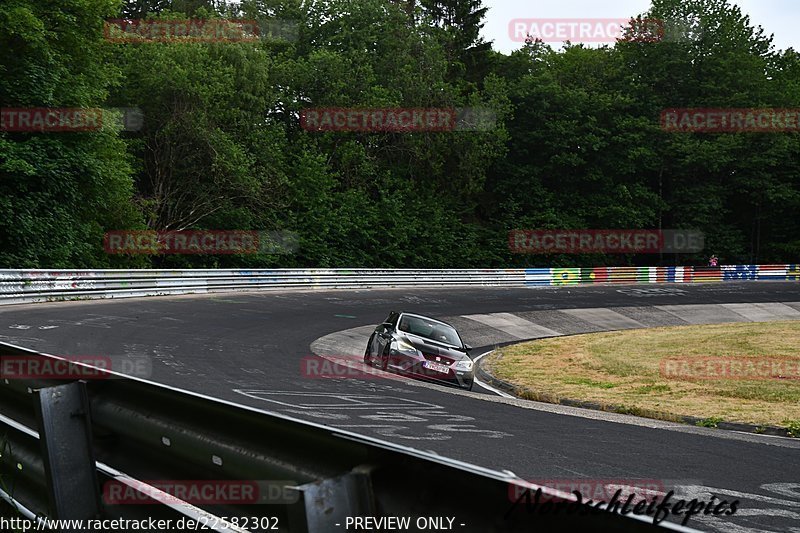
[[624, 369]]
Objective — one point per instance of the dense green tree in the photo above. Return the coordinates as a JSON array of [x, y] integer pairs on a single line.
[[728, 185], [59, 191], [459, 24], [576, 140]]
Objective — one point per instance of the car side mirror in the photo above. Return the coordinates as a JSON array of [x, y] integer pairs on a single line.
[[467, 347], [387, 325]]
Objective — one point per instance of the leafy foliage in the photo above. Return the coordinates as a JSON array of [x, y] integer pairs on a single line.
[[576, 142]]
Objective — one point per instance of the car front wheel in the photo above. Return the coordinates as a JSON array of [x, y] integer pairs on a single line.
[[367, 354], [385, 358]]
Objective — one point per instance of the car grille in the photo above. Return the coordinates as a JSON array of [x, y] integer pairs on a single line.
[[442, 359]]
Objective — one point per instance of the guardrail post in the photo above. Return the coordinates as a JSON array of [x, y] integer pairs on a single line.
[[66, 440], [329, 502]]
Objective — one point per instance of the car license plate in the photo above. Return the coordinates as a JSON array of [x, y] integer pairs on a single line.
[[436, 367]]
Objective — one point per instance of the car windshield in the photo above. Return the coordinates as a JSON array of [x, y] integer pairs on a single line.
[[430, 329]]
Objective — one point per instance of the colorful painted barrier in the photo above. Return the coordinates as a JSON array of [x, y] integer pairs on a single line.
[[672, 274], [31, 286]]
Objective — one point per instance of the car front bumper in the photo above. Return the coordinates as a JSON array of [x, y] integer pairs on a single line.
[[413, 366]]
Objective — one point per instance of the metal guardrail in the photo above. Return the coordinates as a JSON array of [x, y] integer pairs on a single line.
[[31, 286], [64, 442]]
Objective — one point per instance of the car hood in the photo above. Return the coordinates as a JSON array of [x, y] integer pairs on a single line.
[[431, 347]]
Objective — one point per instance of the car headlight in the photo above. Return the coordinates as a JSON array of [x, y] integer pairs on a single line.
[[464, 365], [405, 347]]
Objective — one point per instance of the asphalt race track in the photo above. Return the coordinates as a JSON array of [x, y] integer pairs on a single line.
[[249, 348]]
